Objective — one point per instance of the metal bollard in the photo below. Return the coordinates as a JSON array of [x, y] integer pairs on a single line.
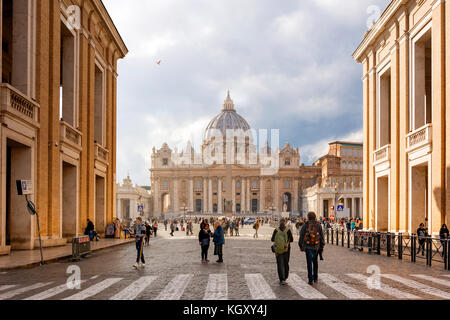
[[328, 235], [413, 248], [369, 244], [337, 237], [378, 243], [429, 250], [343, 233], [447, 242], [388, 244], [332, 236], [400, 246]]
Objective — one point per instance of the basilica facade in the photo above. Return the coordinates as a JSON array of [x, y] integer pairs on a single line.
[[228, 169]]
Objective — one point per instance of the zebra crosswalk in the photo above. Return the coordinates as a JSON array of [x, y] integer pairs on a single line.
[[255, 285]]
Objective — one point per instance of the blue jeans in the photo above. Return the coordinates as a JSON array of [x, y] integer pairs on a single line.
[[313, 265]]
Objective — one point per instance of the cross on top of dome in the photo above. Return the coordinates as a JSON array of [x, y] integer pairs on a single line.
[[228, 103]]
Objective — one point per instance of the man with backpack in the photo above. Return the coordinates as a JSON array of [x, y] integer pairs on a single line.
[[139, 233], [311, 241], [282, 237]]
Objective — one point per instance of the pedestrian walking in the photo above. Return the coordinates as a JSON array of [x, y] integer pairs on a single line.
[[165, 224], [236, 228], [256, 227], [282, 238], [311, 241], [204, 237], [172, 227], [148, 232], [421, 234], [443, 235], [139, 233], [219, 241], [155, 227]]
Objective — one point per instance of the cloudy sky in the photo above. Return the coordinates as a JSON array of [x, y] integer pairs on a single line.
[[288, 65]]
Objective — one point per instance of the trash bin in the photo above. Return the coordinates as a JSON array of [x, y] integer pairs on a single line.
[[80, 247]]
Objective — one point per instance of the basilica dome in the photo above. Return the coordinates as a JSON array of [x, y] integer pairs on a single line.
[[227, 119]]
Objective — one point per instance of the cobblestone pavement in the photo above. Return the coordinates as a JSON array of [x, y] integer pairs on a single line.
[[174, 271]]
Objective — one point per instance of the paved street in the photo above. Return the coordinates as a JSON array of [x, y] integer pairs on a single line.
[[174, 271]]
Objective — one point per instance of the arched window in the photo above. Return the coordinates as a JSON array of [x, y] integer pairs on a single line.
[[165, 185]]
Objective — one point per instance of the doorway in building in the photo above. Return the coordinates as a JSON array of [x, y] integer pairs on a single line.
[[19, 227], [100, 209], [215, 207], [165, 202], [382, 201], [238, 207], [287, 202], [69, 214], [326, 208], [419, 196], [198, 205], [126, 208], [254, 205]]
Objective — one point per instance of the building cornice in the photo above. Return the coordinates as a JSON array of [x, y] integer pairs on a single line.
[[378, 27]]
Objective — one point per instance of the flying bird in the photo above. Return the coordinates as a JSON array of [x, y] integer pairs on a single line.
[[159, 62]]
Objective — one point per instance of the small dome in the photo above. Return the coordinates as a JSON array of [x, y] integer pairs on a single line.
[[227, 119]]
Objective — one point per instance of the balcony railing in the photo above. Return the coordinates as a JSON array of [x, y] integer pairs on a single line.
[[383, 154], [420, 137], [16, 103], [70, 135], [101, 153]]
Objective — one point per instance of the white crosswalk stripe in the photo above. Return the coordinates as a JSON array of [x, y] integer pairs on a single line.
[[7, 286], [217, 287], [259, 288], [51, 292], [419, 286], [385, 288], [174, 290], [13, 293], [133, 290], [432, 279], [342, 287], [93, 290], [303, 289]]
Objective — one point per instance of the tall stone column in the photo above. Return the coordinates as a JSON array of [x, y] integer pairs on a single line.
[[249, 206], [205, 196], [369, 218], [156, 209], [191, 194], [261, 195], [119, 209], [276, 196], [353, 214], [176, 205], [219, 196], [295, 196], [210, 205], [233, 195], [437, 201], [243, 196]]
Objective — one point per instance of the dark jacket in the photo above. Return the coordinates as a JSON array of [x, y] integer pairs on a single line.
[[421, 234], [204, 236], [301, 240], [89, 227], [218, 236], [442, 233]]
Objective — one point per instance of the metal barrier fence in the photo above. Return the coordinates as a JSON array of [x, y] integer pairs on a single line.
[[427, 248]]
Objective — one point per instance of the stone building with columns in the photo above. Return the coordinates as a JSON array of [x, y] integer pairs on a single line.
[[58, 119], [132, 201], [271, 180], [341, 182], [405, 58]]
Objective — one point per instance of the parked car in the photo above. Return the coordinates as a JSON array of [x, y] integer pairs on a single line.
[[249, 220]]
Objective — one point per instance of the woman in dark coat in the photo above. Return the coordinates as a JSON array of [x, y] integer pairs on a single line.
[[219, 241], [204, 237], [443, 234]]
